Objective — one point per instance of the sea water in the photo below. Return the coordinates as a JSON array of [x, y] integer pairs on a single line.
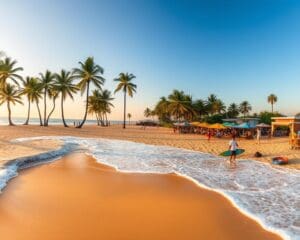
[[270, 195]]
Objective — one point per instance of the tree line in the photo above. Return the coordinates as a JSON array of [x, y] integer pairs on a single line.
[[179, 106], [49, 86]]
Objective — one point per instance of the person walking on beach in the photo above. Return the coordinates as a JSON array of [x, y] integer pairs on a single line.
[[233, 146], [258, 135]]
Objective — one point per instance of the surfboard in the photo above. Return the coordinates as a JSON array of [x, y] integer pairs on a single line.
[[228, 152]]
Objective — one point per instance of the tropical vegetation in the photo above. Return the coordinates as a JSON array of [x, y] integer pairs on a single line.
[[14, 89]]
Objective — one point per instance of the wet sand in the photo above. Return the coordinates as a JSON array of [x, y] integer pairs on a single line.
[[77, 198]]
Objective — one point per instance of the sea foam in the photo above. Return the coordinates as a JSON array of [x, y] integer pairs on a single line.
[[268, 194]]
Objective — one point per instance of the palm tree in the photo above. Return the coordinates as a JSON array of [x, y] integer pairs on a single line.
[[180, 105], [147, 112], [89, 72], [211, 103], [272, 99], [8, 71], [233, 110], [162, 109], [29, 85], [129, 116], [46, 82], [53, 94], [126, 85], [245, 108], [64, 85], [10, 94], [100, 104], [200, 107]]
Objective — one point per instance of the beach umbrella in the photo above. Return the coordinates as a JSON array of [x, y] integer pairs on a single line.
[[217, 126]]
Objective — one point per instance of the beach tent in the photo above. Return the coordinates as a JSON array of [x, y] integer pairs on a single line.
[[229, 124], [244, 126], [195, 124], [181, 124], [217, 126], [263, 125]]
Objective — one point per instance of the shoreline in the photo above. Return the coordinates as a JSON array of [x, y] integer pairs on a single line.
[[241, 209], [156, 177], [163, 137]]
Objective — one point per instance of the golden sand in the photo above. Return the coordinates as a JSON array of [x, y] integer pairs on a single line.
[[77, 198], [152, 135]]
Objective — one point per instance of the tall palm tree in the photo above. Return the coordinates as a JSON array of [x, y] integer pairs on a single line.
[[245, 108], [28, 89], [129, 116], [46, 83], [125, 84], [233, 110], [10, 94], [64, 85], [89, 72], [272, 99], [8, 71]]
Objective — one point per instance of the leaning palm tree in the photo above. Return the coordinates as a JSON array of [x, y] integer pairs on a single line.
[[89, 72], [8, 71], [272, 99], [10, 94], [126, 85], [53, 94], [47, 82], [28, 89], [64, 85], [245, 108]]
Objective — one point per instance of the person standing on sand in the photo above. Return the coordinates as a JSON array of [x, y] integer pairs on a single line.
[[208, 135], [233, 146], [258, 135]]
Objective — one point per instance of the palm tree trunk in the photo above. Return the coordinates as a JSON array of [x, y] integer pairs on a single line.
[[52, 110], [86, 106], [62, 112], [39, 111], [45, 107], [106, 120], [124, 122], [272, 107], [9, 114], [28, 114]]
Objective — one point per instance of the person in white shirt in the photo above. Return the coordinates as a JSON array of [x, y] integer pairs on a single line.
[[233, 146], [258, 135]]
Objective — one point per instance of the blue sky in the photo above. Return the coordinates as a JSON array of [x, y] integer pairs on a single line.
[[239, 50]]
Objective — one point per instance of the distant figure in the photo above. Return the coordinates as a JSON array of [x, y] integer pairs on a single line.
[[208, 135], [233, 146], [258, 135], [74, 124]]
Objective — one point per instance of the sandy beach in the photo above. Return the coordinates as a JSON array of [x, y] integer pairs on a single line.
[[77, 198], [157, 136]]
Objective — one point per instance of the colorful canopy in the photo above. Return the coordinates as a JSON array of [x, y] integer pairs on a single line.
[[217, 126]]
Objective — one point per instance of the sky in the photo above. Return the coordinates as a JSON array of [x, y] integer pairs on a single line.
[[238, 50]]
